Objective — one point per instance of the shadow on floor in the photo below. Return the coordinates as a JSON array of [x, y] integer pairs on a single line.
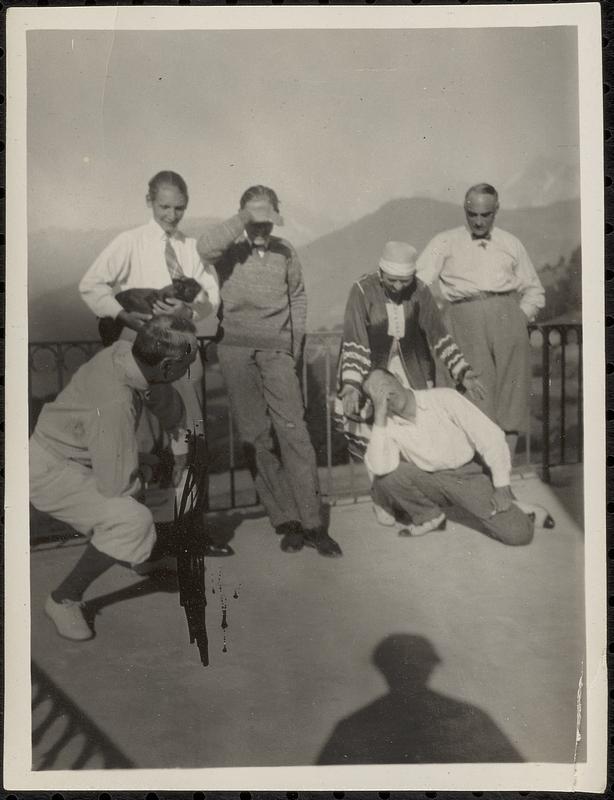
[[159, 582], [413, 724], [63, 737], [221, 526]]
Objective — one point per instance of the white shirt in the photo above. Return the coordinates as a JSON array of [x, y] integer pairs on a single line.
[[466, 266], [446, 433], [135, 260]]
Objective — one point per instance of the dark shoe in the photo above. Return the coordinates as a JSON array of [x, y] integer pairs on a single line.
[[292, 526], [218, 550], [323, 543], [293, 541], [549, 522]]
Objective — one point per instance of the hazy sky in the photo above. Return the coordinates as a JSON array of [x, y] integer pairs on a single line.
[[337, 121]]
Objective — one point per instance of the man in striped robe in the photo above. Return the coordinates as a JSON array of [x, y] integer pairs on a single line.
[[392, 322]]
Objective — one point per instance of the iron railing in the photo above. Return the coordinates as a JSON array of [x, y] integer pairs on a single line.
[[554, 428], [63, 736]]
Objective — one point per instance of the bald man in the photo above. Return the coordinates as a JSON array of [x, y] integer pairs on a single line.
[[494, 292]]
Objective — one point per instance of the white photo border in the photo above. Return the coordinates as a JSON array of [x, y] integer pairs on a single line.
[[586, 776]]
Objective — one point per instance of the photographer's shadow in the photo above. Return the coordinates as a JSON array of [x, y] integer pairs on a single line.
[[413, 724]]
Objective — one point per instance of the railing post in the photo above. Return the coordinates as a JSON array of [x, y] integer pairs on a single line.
[[203, 344], [59, 365], [580, 396], [305, 375], [546, 403], [231, 458], [563, 334], [527, 449], [329, 437]]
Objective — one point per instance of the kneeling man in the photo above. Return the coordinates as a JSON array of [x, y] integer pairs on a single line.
[[433, 448]]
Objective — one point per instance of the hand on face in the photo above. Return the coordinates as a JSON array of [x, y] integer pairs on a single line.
[[380, 397], [262, 211], [350, 397]]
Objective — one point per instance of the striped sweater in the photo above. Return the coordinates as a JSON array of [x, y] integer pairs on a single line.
[[371, 334], [264, 305], [368, 339]]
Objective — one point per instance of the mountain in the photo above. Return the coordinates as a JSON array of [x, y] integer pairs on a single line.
[[542, 182], [334, 261], [57, 259]]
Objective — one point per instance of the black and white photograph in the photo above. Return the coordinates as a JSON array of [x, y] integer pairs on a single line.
[[305, 399]]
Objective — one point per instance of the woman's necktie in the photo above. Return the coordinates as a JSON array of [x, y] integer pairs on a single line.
[[172, 263]]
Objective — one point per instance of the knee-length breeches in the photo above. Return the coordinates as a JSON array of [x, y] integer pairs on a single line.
[[121, 527]]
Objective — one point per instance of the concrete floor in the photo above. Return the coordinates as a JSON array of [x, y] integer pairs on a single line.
[[506, 626]]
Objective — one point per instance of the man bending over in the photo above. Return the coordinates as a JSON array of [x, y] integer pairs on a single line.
[[84, 467], [431, 448]]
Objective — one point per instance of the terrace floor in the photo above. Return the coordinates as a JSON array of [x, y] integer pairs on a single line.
[[506, 625]]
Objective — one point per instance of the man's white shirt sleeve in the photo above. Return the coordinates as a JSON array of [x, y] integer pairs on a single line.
[[532, 295], [431, 260], [486, 437], [383, 455]]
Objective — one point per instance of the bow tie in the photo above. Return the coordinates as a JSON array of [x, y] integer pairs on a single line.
[[485, 238]]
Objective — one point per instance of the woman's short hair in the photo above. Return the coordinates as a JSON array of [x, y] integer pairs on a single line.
[[255, 192], [162, 337], [167, 178]]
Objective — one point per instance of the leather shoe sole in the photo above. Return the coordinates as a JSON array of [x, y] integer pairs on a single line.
[[325, 545]]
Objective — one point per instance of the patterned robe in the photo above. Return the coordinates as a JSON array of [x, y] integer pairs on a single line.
[[378, 332]]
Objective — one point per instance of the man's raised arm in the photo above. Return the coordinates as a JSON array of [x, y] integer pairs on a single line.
[[217, 239]]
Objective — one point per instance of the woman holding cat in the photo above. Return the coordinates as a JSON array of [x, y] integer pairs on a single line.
[[155, 256], [151, 257]]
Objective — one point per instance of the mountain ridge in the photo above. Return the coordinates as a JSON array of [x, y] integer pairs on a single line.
[[548, 233], [58, 259]]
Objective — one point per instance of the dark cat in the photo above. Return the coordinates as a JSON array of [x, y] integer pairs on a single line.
[[142, 300]]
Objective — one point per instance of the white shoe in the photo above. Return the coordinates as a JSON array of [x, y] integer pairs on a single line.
[[383, 517], [437, 524], [68, 618]]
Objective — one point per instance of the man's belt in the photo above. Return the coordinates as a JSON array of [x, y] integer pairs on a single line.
[[483, 296]]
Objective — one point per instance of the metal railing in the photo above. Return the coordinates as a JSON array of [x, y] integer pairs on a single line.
[[562, 439], [63, 736], [554, 428]]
